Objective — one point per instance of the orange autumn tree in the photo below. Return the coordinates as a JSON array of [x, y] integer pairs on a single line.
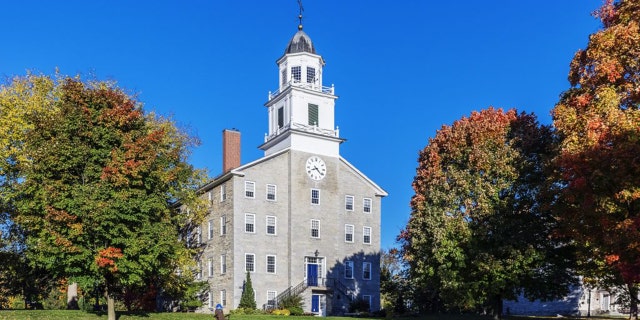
[[598, 123], [98, 182]]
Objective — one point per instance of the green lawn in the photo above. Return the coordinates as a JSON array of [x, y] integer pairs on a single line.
[[80, 315]]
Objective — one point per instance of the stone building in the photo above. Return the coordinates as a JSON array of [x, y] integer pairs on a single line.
[[301, 219]]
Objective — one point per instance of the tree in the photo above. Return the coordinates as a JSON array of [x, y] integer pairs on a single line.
[[248, 298], [479, 230], [394, 284], [98, 180], [597, 120]]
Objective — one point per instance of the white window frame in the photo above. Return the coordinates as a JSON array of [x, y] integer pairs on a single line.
[[316, 200], [349, 229], [249, 189], [367, 298], [349, 202], [198, 235], [348, 266], [223, 225], [271, 298], [210, 267], [210, 230], [246, 262], [273, 223], [271, 192], [210, 196], [223, 297], [296, 74], [311, 76], [366, 205], [364, 270], [199, 270], [223, 192], [366, 232], [223, 263], [210, 298], [268, 264], [318, 228], [249, 223]]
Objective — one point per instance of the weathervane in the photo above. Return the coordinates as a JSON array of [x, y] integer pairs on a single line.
[[300, 14]]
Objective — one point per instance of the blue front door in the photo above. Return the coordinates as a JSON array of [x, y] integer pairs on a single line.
[[312, 275], [315, 303]]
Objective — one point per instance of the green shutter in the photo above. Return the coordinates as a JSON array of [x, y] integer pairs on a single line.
[[313, 115]]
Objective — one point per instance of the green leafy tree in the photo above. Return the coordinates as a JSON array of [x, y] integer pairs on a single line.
[[479, 231], [394, 285], [597, 120], [247, 300], [98, 179]]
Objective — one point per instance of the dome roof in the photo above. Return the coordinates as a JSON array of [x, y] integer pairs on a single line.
[[300, 43]]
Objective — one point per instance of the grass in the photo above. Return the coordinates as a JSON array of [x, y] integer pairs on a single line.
[[81, 315]]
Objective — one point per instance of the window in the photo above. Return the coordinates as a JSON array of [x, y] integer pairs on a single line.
[[348, 233], [313, 114], [315, 196], [223, 192], [315, 228], [199, 270], [210, 298], [271, 192], [366, 235], [284, 77], [223, 263], [348, 203], [271, 225], [367, 299], [271, 299], [250, 223], [366, 205], [223, 297], [271, 264], [249, 262], [210, 230], [210, 267], [280, 117], [210, 196], [366, 270], [249, 189], [296, 74], [198, 235], [311, 75], [223, 225], [348, 269]]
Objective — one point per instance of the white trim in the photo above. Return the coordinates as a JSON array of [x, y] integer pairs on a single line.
[[275, 225], [275, 264], [254, 262]]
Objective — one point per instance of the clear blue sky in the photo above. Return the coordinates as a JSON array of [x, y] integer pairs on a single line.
[[401, 69]]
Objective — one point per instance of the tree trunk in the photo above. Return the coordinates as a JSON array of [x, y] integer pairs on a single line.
[[111, 305], [497, 307], [633, 301]]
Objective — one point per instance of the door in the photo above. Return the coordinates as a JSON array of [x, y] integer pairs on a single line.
[[315, 303], [312, 275]]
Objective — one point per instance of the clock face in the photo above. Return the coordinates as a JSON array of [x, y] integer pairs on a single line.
[[316, 169]]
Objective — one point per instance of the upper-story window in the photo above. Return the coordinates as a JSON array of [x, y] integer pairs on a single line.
[[348, 269], [271, 225], [313, 115], [280, 117], [315, 196], [249, 262], [223, 225], [315, 228], [210, 230], [366, 270], [296, 74], [348, 203], [210, 196], [366, 205], [271, 264], [210, 267], [249, 189], [271, 192], [348, 233], [249, 223], [223, 192], [311, 75], [223, 263], [366, 235]]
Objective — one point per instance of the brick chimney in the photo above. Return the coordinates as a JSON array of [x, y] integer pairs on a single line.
[[230, 149]]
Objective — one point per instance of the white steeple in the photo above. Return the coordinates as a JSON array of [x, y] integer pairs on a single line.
[[302, 110]]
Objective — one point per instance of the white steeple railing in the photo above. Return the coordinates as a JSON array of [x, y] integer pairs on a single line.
[[310, 86], [303, 127]]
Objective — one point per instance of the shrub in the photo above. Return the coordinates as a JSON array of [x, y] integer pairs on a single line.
[[290, 301], [296, 311], [281, 312]]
